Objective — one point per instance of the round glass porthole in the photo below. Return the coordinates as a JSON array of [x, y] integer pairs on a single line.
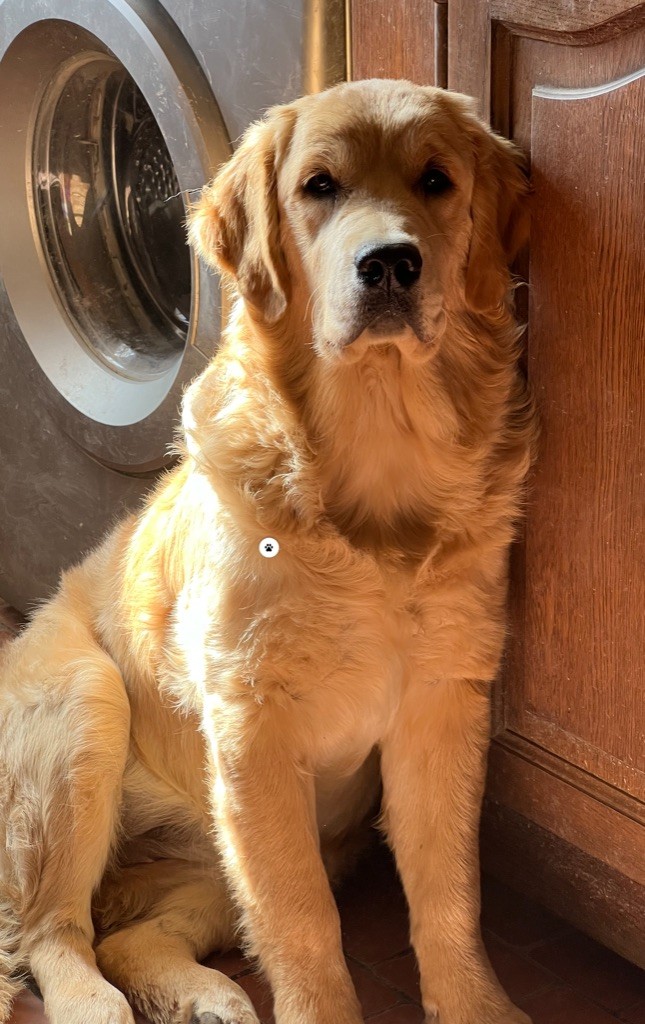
[[111, 219]]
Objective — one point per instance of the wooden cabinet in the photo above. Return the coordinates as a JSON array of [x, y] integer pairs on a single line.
[[565, 813]]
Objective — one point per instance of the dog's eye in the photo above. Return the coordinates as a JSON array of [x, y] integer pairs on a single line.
[[321, 186], [435, 181]]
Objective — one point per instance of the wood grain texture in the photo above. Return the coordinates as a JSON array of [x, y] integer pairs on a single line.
[[469, 51], [394, 39]]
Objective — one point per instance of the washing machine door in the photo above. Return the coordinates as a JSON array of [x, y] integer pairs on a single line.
[[107, 125]]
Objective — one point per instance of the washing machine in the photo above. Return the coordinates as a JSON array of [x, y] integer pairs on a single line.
[[113, 113]]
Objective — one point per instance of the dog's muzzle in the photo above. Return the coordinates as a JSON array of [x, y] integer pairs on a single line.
[[387, 300]]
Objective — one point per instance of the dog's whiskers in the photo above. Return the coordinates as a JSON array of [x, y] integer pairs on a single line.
[[313, 295]]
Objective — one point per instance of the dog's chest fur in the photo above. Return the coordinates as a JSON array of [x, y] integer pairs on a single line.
[[389, 458]]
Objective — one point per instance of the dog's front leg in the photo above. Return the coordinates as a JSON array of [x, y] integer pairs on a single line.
[[265, 818], [433, 764]]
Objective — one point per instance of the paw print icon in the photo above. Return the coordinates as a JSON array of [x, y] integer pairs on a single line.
[[269, 547]]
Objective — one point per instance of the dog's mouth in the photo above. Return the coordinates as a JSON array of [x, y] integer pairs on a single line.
[[398, 322], [388, 323], [390, 334], [386, 314], [385, 326]]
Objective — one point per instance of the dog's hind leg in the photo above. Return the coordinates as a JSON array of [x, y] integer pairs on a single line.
[[63, 751], [154, 961]]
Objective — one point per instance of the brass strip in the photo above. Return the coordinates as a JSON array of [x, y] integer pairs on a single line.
[[326, 53]]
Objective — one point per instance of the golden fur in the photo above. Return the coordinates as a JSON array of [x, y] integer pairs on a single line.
[[191, 733]]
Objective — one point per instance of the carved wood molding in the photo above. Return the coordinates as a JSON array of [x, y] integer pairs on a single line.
[[561, 17], [585, 782], [581, 810], [584, 890]]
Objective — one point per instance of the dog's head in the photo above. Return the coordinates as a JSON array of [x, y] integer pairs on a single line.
[[368, 213]]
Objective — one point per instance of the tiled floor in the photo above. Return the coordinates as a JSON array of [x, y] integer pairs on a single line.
[[555, 973]]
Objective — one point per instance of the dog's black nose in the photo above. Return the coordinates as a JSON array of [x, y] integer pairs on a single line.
[[395, 265]]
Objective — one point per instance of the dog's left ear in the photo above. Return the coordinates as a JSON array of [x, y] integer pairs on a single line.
[[500, 216], [235, 226]]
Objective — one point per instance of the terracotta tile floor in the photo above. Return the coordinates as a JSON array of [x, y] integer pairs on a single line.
[[555, 973]]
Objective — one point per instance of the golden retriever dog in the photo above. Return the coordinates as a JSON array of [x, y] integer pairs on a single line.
[[308, 612]]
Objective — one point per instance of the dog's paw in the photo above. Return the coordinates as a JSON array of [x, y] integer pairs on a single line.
[[230, 1005], [232, 1016], [207, 1017]]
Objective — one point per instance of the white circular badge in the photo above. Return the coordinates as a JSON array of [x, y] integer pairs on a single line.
[[269, 547]]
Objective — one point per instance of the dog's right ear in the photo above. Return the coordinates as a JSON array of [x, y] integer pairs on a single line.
[[500, 215], [235, 225]]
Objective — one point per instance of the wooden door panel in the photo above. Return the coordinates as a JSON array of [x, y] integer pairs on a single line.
[[582, 619], [566, 80], [482, 33]]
